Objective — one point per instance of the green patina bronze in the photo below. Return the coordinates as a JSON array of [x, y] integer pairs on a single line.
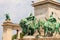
[[52, 19], [30, 24], [7, 17], [57, 25]]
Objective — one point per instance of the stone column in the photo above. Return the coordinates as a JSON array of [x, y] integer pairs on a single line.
[[18, 34], [7, 30]]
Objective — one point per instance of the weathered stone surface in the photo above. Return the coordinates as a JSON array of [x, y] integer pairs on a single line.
[[46, 38], [44, 0]]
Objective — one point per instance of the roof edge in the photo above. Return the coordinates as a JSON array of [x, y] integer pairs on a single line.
[[44, 2]]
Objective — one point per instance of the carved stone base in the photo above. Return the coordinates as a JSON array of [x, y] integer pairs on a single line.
[[40, 38]]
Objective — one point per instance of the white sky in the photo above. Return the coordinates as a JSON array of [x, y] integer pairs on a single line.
[[17, 9]]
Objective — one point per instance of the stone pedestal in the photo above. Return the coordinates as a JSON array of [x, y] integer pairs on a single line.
[[40, 38], [7, 30], [8, 26], [7, 34]]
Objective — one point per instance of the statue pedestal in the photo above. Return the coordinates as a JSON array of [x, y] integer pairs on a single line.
[[28, 37], [40, 38]]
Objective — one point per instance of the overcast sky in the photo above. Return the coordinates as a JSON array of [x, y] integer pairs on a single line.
[[17, 9]]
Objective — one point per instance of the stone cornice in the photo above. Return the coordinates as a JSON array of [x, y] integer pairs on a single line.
[[46, 2], [10, 24]]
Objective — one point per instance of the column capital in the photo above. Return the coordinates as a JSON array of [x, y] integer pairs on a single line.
[[7, 23]]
